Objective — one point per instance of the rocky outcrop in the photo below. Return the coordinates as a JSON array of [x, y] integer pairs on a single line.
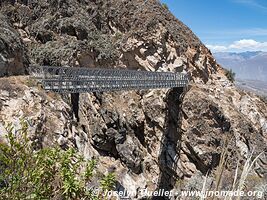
[[151, 139], [216, 119], [48, 116], [13, 58]]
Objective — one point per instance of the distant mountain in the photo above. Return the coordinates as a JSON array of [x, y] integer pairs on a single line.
[[257, 87], [250, 65]]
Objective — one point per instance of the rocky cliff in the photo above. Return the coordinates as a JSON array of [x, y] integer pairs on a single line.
[[152, 139]]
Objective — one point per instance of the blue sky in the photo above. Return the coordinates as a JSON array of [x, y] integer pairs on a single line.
[[225, 25]]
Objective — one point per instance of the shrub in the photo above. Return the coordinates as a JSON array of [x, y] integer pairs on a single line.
[[48, 173], [108, 182], [230, 75], [164, 5]]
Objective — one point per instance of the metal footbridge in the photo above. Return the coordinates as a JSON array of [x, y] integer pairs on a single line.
[[82, 80]]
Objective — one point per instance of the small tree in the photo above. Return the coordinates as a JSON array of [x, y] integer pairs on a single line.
[[164, 5], [48, 173], [230, 75]]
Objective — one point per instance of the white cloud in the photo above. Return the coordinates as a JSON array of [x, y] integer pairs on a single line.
[[240, 45], [217, 47]]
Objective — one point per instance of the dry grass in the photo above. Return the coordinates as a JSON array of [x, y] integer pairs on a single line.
[[204, 188], [239, 182], [239, 185], [241, 177], [220, 169]]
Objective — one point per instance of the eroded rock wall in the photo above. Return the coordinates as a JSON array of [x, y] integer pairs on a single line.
[[150, 139], [13, 55]]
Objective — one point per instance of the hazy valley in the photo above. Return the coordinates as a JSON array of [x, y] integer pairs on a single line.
[[250, 69]]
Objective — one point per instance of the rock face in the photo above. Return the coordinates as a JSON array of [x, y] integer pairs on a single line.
[[151, 139], [13, 58], [48, 118]]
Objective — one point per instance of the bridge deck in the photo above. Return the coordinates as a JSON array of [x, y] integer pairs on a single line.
[[80, 80]]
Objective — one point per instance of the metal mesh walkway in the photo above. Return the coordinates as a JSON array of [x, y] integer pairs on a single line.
[[81, 80]]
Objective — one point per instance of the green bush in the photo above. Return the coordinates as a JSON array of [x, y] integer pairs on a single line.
[[164, 5], [108, 182], [48, 173], [230, 75]]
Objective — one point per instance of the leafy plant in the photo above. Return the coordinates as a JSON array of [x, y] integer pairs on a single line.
[[164, 5], [108, 182], [89, 169], [48, 173], [230, 75], [103, 45]]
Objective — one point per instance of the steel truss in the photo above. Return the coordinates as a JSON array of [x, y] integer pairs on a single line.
[[81, 80]]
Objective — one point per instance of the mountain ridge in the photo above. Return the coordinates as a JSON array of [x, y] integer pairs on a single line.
[[247, 65]]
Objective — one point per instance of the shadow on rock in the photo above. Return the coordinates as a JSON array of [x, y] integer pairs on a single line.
[[170, 143]]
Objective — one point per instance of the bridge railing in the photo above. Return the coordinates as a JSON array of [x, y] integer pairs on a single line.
[[77, 80]]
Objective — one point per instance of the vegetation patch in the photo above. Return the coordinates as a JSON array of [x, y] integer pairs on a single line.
[[48, 173], [164, 5], [230, 75]]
